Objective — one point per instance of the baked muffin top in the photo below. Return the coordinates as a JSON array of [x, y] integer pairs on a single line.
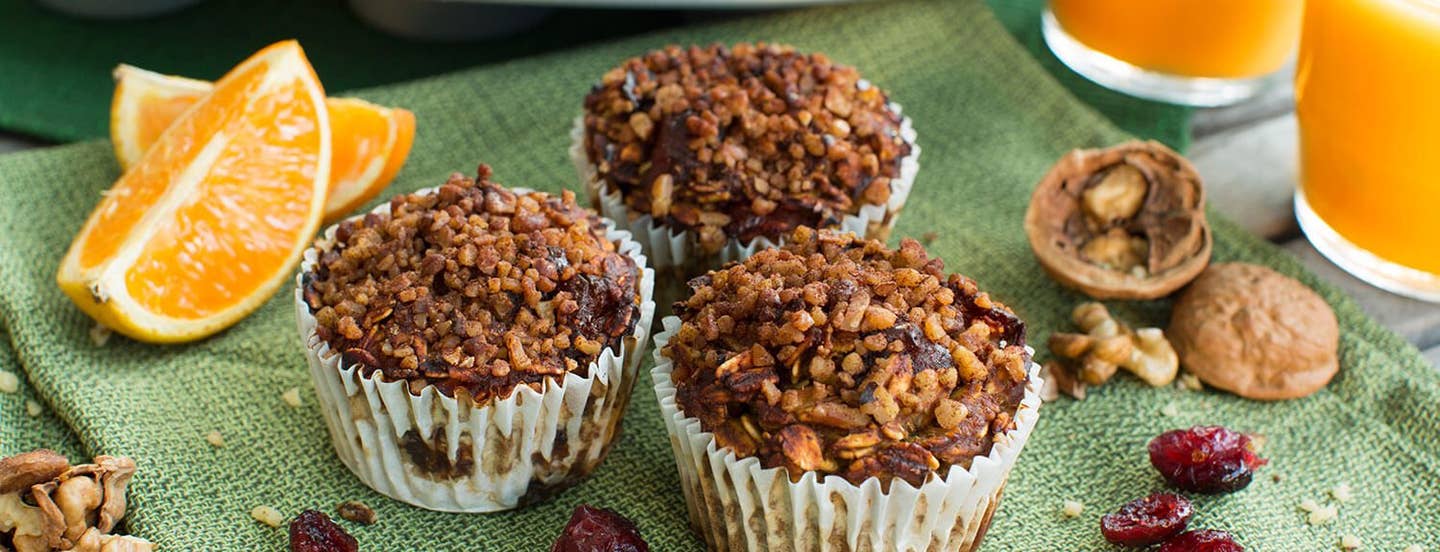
[[837, 355], [742, 142], [474, 289]]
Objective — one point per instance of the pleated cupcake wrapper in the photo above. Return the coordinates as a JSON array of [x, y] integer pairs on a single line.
[[678, 250], [497, 456], [736, 504]]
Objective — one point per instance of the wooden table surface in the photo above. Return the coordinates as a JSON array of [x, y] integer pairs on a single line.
[[1247, 155]]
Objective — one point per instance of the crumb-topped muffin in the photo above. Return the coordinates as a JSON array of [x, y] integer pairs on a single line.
[[469, 293], [735, 144], [837, 356], [475, 288]]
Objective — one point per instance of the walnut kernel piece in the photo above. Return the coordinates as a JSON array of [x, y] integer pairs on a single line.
[[1256, 333], [1108, 344], [356, 511], [1127, 222], [1117, 196], [22, 471], [1060, 379], [47, 505]]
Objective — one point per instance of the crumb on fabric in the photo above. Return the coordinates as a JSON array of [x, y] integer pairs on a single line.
[[1072, 508], [268, 516], [291, 397]]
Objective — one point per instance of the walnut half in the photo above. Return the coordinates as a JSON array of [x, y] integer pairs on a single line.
[[47, 505], [1126, 222]]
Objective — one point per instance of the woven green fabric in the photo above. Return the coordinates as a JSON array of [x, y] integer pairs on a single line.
[[58, 83], [991, 122]]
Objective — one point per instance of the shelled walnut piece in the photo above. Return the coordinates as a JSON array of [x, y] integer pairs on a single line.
[[1127, 222], [48, 505], [1107, 345]]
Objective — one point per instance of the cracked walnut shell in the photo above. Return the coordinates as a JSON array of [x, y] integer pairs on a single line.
[[1256, 333], [1126, 222]]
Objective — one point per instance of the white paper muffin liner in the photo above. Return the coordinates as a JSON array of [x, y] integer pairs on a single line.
[[678, 251], [736, 504], [521, 448]]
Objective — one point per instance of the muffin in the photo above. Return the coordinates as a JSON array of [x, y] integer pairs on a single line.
[[709, 154], [834, 394], [474, 347]]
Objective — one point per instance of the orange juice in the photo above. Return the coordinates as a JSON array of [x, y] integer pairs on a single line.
[[1367, 91], [1193, 38]]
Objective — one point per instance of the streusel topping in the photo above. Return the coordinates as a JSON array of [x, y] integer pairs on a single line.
[[836, 355], [742, 142], [474, 288]]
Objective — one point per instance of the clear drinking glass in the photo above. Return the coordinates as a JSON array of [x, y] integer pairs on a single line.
[[1191, 52], [1367, 93]]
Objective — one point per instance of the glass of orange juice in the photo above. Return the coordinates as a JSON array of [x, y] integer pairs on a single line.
[[1191, 52], [1367, 93]]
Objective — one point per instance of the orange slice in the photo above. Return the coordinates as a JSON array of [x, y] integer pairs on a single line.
[[213, 217], [371, 142]]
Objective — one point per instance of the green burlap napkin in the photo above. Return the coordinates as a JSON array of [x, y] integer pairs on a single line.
[[991, 121], [58, 83]]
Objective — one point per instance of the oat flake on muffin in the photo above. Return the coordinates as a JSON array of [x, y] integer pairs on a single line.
[[744, 142], [474, 288], [836, 355]]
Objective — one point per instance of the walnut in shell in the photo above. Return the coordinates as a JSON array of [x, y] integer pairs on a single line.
[[1256, 333], [1126, 222], [48, 505]]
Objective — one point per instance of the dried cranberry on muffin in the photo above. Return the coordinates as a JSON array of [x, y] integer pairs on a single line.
[[837, 356], [475, 297], [733, 144]]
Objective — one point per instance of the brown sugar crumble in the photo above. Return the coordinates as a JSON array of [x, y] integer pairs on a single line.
[[742, 142], [474, 288], [836, 355]]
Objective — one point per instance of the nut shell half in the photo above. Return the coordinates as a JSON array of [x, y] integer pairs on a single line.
[[1126, 222], [1256, 333]]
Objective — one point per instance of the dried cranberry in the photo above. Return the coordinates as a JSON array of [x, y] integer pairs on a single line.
[[1146, 521], [1205, 540], [313, 531], [1205, 459], [599, 530]]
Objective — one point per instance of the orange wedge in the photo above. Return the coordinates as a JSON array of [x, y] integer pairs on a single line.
[[370, 144], [213, 217]]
